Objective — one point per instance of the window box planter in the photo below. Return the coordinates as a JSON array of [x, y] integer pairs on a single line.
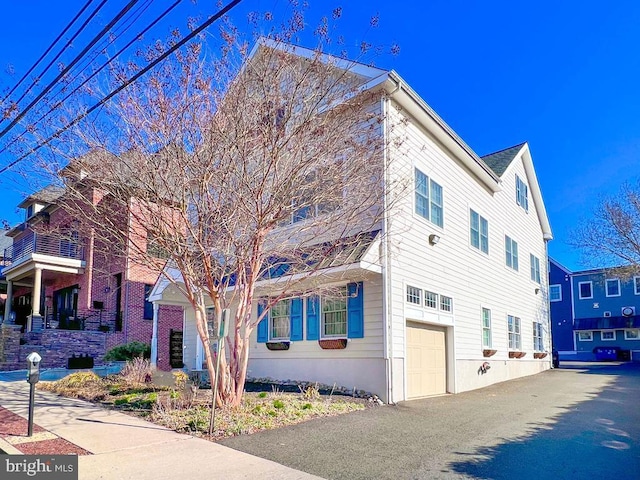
[[540, 354], [333, 344], [488, 352], [278, 345], [517, 354]]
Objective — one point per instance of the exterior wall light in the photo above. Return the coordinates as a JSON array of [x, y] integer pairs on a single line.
[[434, 239]]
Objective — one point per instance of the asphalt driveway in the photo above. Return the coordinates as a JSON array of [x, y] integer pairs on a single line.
[[581, 421]]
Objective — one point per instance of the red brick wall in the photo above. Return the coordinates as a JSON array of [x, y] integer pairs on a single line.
[[169, 318]]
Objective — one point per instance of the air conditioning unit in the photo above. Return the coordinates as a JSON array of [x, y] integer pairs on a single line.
[[607, 314], [628, 311]]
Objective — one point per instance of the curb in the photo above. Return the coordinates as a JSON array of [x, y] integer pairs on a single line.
[[9, 449]]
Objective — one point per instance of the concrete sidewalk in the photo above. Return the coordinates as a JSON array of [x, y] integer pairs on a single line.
[[125, 447]]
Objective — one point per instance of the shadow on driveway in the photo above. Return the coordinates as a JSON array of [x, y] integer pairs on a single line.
[[581, 422]]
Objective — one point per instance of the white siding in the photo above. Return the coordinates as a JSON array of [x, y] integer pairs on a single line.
[[456, 269]]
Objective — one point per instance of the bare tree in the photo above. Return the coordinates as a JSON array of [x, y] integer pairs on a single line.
[[611, 237], [252, 166]]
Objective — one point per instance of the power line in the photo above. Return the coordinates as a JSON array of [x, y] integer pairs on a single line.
[[69, 42], [194, 33], [70, 66], [88, 79], [46, 52]]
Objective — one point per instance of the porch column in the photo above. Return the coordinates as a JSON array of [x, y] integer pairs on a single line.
[[35, 319], [154, 337], [7, 305]]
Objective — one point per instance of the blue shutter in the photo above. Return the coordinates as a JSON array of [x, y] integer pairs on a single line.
[[296, 319], [355, 311], [313, 317], [263, 326]]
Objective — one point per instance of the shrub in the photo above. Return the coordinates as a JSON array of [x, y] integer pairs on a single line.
[[262, 395], [137, 370], [128, 351], [78, 379], [278, 404]]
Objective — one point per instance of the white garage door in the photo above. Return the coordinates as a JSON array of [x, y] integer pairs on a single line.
[[426, 360]]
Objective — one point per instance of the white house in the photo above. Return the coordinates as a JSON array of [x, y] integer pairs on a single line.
[[450, 292]]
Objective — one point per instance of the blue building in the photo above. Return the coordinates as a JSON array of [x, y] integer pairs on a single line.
[[560, 308], [604, 312]]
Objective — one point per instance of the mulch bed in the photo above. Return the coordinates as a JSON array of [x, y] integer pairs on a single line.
[[13, 429]]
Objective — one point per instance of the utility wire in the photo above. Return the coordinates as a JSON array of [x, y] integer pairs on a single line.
[[46, 52], [186, 39], [88, 79], [99, 49], [69, 42], [70, 66]]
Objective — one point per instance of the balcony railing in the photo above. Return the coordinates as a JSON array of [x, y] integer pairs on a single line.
[[44, 245]]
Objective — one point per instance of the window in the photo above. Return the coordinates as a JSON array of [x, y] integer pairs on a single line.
[[608, 335], [612, 286], [429, 203], [486, 328], [535, 268], [430, 299], [555, 293], [148, 306], [29, 211], [585, 290], [446, 303], [538, 346], [334, 314], [632, 334], [511, 252], [636, 285], [585, 336], [522, 194], [479, 232], [414, 295], [515, 340], [280, 320]]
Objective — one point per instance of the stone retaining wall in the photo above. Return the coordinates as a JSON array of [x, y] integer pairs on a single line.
[[57, 346]]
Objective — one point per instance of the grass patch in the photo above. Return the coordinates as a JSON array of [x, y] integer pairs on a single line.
[[186, 409]]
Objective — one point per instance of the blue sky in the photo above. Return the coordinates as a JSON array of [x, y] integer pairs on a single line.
[[561, 75]]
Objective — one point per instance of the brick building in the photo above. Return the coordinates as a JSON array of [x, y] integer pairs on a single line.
[[72, 290]]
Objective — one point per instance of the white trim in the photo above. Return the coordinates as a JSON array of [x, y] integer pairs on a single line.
[[559, 285], [589, 332], [636, 285], [629, 330], [608, 339], [580, 290], [606, 287]]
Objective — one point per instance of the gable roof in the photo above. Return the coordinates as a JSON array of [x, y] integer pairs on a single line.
[[47, 195], [500, 160]]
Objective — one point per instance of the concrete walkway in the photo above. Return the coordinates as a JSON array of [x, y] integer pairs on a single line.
[[126, 447]]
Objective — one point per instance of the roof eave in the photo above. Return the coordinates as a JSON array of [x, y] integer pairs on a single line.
[[402, 93]]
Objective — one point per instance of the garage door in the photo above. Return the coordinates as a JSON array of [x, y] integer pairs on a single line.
[[426, 360]]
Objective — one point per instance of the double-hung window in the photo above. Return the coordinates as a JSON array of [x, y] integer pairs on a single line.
[[148, 306], [511, 252], [538, 345], [429, 199], [636, 285], [515, 340], [280, 321], [486, 328], [555, 293], [479, 231], [334, 314], [535, 268], [522, 194]]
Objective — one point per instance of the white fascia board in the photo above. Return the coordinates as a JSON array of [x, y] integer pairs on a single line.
[[536, 193], [303, 52], [409, 100]]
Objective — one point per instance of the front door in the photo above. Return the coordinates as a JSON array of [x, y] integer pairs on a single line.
[[65, 307]]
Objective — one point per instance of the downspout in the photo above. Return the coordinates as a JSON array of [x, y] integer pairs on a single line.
[[548, 302], [386, 264]]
